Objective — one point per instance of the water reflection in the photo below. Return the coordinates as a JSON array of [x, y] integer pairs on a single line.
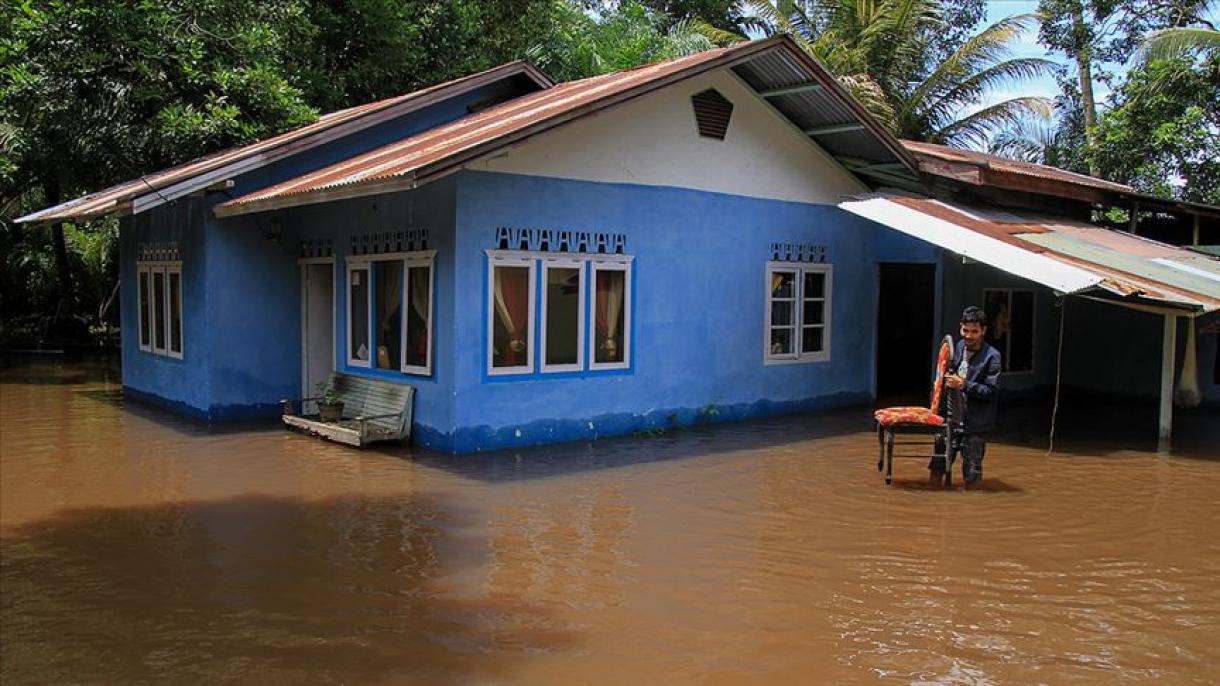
[[136, 546]]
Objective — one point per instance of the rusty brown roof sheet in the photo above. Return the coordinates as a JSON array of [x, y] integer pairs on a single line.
[[112, 199], [1129, 265], [433, 153], [1003, 164]]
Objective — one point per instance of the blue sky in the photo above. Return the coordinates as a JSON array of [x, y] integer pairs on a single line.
[[1029, 47]]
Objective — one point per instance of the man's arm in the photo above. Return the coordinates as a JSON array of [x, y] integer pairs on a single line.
[[991, 380]]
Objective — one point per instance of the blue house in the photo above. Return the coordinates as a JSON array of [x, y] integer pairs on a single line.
[[548, 262]]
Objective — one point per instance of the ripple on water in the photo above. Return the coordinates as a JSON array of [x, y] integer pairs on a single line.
[[139, 546]]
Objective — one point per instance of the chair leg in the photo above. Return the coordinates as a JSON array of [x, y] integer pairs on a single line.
[[889, 457], [950, 457], [880, 447]]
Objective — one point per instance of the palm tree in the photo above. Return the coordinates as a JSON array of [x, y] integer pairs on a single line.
[[1172, 42], [879, 50]]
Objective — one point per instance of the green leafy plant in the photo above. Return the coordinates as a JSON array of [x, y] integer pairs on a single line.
[[328, 394]]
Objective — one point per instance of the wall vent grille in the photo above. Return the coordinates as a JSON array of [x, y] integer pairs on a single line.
[[712, 113]]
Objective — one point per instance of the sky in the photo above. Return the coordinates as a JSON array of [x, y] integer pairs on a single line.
[[1029, 47]]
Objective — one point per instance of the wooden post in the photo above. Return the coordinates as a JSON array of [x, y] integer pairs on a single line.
[[1168, 349], [1133, 224], [1194, 240]]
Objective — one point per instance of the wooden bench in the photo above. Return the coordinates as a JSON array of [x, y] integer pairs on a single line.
[[373, 411]]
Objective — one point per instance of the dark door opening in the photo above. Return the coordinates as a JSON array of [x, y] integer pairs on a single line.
[[905, 311]]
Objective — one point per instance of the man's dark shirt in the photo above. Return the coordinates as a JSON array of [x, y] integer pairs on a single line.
[[980, 391]]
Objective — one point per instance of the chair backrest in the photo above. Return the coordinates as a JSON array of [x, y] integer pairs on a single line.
[[942, 360], [369, 397]]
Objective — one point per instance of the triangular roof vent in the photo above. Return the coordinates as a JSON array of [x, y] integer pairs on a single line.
[[712, 112]]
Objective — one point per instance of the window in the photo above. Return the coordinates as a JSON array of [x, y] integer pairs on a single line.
[[584, 304], [611, 302], [563, 306], [159, 314], [358, 315], [389, 300], [797, 314], [1010, 327], [512, 315]]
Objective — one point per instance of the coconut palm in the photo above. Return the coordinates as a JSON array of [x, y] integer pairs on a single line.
[[1169, 43], [879, 50]]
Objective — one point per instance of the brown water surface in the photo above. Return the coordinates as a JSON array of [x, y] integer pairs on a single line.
[[138, 547]]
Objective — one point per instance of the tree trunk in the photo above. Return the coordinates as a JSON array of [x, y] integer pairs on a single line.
[[63, 268], [1084, 66]]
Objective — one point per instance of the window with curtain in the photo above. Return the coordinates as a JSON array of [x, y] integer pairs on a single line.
[[358, 350], [390, 311], [159, 291], [584, 301], [1010, 327], [797, 327], [610, 339], [418, 337], [512, 315], [562, 315], [387, 312]]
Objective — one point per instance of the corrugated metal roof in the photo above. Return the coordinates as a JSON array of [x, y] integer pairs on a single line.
[[187, 177], [973, 157], [1065, 255], [764, 65]]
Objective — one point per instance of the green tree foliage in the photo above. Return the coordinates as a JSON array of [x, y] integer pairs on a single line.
[[888, 53], [1162, 134], [622, 37], [364, 50]]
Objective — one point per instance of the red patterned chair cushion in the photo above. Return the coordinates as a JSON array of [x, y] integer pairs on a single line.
[[908, 415]]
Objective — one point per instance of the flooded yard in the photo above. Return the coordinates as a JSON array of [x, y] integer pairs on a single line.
[[139, 547]]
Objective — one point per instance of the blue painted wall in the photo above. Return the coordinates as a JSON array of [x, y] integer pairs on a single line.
[[259, 360], [183, 385], [698, 310]]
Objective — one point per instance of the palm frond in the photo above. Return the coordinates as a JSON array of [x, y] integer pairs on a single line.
[[1174, 42], [942, 106], [989, 46], [973, 130]]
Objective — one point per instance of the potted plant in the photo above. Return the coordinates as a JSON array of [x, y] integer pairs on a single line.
[[330, 405]]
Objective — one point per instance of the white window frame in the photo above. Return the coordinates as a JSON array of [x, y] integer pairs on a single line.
[[144, 269], [174, 268], [151, 270], [409, 260], [511, 260], [601, 265], [799, 269], [557, 262], [1033, 325], [354, 264]]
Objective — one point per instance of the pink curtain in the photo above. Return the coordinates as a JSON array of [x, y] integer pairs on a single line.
[[512, 306]]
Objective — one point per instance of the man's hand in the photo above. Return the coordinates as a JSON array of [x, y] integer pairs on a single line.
[[954, 381]]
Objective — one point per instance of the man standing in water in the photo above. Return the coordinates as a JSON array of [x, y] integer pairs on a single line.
[[973, 379]]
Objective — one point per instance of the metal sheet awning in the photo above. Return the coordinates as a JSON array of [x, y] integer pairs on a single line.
[[1051, 273], [1065, 255]]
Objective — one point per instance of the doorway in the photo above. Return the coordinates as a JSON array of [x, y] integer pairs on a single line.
[[906, 310], [317, 324]]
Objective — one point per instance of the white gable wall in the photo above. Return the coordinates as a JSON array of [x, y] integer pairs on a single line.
[[654, 140]]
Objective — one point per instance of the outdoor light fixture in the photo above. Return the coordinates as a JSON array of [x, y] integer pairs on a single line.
[[274, 231]]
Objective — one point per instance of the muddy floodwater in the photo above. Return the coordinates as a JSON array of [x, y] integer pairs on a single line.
[[138, 547]]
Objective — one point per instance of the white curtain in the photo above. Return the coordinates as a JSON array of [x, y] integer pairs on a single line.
[[501, 306], [614, 303], [420, 291], [1188, 394]]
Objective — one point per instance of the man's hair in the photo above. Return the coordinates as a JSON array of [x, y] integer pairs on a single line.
[[974, 315]]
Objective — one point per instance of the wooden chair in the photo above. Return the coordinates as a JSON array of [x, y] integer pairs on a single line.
[[373, 410], [894, 421]]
